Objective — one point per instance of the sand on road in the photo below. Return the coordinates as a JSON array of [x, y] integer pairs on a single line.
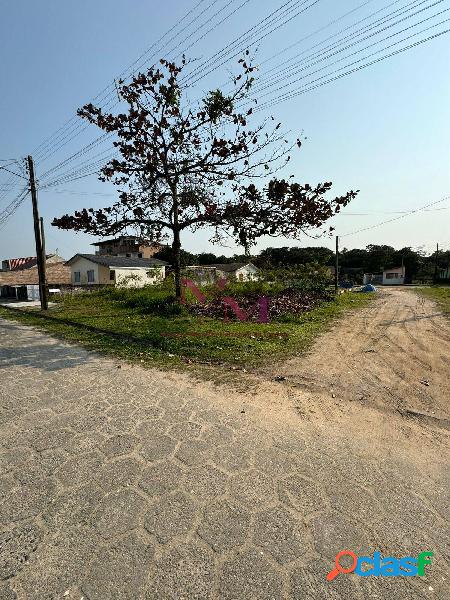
[[393, 355]]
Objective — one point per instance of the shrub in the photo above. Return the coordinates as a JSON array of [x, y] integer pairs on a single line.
[[151, 299], [311, 277], [283, 306]]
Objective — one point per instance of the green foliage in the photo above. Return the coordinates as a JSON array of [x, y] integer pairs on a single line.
[[106, 322], [292, 257], [259, 287], [151, 299], [309, 277], [186, 258], [217, 104]]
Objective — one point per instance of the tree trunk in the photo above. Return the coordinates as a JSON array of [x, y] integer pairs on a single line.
[[176, 244], [176, 247]]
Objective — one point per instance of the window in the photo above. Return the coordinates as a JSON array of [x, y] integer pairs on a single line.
[[90, 276], [139, 254], [128, 255], [77, 277], [392, 275], [112, 275]]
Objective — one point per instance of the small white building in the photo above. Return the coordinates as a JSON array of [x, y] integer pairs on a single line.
[[205, 274], [95, 269], [394, 276]]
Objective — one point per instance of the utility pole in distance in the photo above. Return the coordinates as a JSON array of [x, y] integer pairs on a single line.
[[336, 268], [40, 252], [436, 264]]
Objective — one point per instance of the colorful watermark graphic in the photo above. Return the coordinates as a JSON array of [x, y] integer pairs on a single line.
[[377, 566], [228, 301]]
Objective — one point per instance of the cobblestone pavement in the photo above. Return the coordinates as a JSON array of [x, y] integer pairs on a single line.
[[123, 483]]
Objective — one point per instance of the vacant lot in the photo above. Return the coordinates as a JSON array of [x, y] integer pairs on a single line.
[[134, 330]]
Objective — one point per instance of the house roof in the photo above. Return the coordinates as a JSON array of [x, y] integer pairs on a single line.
[[231, 267], [16, 264], [119, 261], [57, 274]]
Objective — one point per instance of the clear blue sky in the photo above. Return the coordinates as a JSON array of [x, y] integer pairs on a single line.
[[384, 130]]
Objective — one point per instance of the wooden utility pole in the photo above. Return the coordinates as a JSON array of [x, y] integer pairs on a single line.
[[44, 254], [436, 264], [38, 235], [336, 267]]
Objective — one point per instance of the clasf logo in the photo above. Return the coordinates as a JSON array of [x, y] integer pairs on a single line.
[[365, 566]]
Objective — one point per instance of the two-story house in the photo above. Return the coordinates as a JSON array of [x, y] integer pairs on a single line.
[[128, 246]]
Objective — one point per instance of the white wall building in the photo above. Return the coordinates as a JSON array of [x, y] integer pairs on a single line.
[[394, 276], [205, 274], [95, 269]]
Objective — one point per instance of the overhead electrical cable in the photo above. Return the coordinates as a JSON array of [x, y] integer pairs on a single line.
[[8, 212], [407, 214], [113, 100], [330, 24], [231, 51], [309, 74], [334, 77], [353, 31], [352, 39], [110, 88], [283, 13]]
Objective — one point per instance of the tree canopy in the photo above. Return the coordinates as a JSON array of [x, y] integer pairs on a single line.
[[182, 165]]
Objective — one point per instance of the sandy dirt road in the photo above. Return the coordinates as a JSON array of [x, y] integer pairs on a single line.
[[393, 355]]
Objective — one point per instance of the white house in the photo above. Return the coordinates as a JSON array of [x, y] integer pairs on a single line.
[[212, 273], [394, 276], [95, 269]]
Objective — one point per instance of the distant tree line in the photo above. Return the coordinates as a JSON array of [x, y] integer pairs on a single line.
[[419, 265]]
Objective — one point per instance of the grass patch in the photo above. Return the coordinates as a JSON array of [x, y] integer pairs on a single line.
[[441, 295], [129, 327]]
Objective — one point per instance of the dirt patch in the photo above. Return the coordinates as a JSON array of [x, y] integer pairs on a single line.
[[393, 355]]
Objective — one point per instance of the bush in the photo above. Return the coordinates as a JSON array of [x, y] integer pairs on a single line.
[[151, 299], [283, 306], [311, 277], [251, 288]]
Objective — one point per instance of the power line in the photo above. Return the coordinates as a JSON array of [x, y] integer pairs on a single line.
[[389, 212], [101, 138], [322, 29], [79, 128], [86, 168], [308, 87], [12, 172], [110, 87], [81, 152], [69, 137], [7, 213], [64, 141], [247, 43], [407, 214], [76, 193], [290, 71], [77, 175], [365, 48], [342, 31]]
